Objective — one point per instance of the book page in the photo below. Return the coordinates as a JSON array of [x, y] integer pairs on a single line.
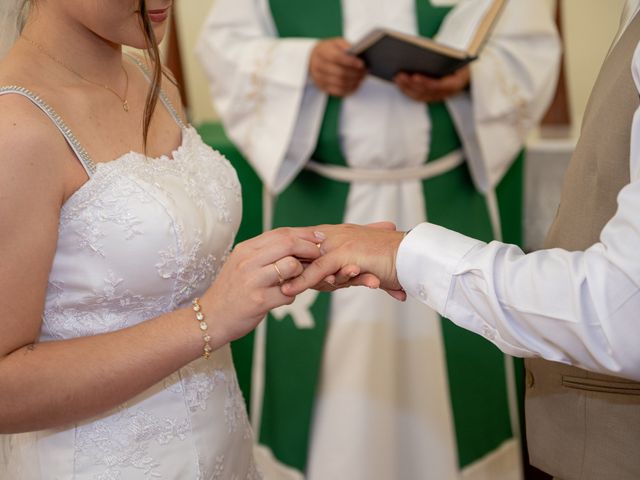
[[463, 22]]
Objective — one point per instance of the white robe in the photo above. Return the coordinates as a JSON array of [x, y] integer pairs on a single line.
[[383, 399]]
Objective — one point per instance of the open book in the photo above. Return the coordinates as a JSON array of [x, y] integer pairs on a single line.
[[464, 32]]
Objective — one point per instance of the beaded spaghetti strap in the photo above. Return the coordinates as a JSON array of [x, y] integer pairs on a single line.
[[82, 155], [163, 96]]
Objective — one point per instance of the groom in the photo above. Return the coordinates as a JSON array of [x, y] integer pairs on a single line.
[[575, 303]]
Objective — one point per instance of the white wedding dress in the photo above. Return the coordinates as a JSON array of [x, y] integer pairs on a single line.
[[142, 237]]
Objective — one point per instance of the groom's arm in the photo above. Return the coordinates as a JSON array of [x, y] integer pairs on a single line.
[[571, 307]]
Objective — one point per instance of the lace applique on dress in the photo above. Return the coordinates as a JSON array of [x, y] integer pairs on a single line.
[[190, 267], [198, 380], [219, 472], [198, 385], [235, 410], [225, 190], [218, 469], [109, 309], [254, 473], [109, 207], [124, 440], [113, 293], [214, 183]]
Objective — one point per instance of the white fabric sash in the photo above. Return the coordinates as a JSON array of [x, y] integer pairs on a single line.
[[428, 170]]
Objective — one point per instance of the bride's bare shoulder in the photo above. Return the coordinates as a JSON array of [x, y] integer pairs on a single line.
[[21, 121], [31, 158], [27, 135]]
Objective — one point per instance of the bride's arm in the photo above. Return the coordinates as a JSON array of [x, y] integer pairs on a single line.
[[53, 383]]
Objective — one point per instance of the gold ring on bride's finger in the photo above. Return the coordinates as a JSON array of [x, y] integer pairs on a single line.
[[318, 245], [279, 273]]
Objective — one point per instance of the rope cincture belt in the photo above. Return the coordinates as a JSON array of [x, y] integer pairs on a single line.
[[422, 172]]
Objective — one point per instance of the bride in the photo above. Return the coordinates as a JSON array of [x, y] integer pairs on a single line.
[[119, 292]]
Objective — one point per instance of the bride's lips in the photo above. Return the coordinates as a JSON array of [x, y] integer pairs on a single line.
[[158, 16]]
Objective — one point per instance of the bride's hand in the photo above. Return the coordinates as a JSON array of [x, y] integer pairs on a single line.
[[248, 286]]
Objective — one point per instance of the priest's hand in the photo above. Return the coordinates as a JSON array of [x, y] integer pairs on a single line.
[[430, 90], [368, 250], [333, 70]]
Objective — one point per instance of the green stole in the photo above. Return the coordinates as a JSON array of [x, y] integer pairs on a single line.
[[293, 356]]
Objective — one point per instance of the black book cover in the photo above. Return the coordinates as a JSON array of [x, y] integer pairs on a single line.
[[389, 54]]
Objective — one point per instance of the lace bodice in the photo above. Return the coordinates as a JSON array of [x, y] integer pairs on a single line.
[[140, 238]]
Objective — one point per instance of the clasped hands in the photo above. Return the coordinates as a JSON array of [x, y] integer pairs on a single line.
[[351, 255], [269, 270], [336, 72]]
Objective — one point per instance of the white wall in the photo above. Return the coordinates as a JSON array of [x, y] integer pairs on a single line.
[[589, 27], [190, 16]]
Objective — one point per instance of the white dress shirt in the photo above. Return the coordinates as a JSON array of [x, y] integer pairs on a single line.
[[579, 308]]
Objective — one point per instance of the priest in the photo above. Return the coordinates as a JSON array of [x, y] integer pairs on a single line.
[[357, 386]]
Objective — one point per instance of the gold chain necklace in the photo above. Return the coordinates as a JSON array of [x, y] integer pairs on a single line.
[[123, 99]]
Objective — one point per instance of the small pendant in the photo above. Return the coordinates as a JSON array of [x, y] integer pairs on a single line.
[[125, 106]]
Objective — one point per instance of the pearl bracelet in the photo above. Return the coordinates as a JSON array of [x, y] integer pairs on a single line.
[[203, 326]]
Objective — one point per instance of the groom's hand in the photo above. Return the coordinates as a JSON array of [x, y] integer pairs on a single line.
[[372, 249]]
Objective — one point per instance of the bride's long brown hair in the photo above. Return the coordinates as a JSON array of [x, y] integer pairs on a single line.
[[152, 51], [156, 74]]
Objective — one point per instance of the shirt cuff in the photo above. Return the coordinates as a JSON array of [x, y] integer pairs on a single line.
[[426, 261]]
